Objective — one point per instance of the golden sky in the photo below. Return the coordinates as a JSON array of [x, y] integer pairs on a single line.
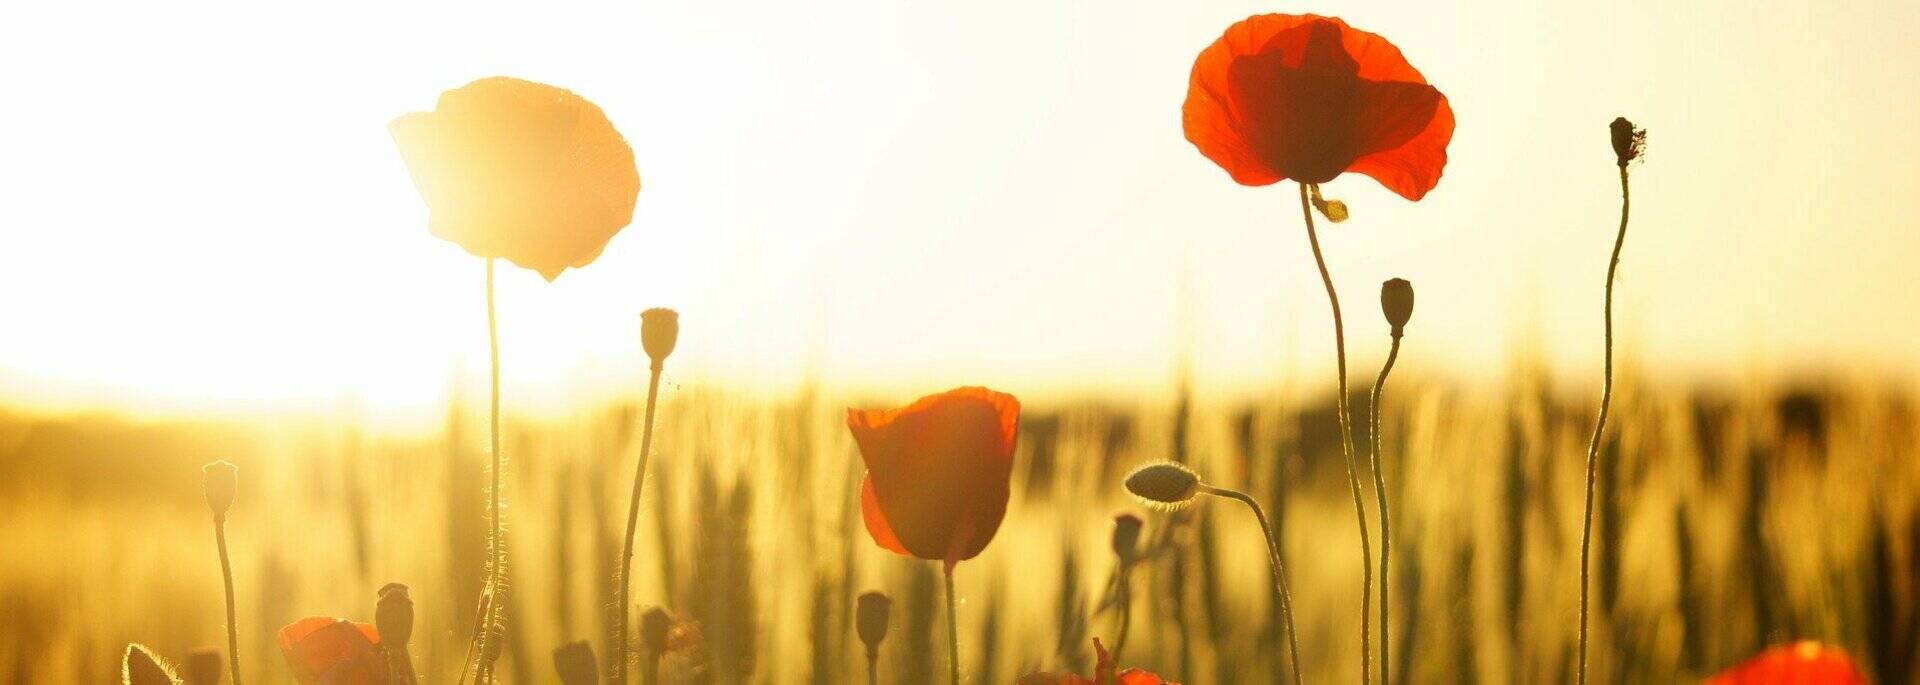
[[203, 206]]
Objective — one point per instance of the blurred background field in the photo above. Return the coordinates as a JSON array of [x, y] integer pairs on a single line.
[[1731, 518]]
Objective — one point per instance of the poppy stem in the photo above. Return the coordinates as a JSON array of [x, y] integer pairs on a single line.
[[1280, 589], [873, 666], [496, 550], [633, 521], [1600, 425], [1380, 494], [1346, 440], [226, 575], [1126, 612], [953, 626]]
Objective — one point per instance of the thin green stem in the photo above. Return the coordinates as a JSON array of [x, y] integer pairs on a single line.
[[1126, 612], [496, 550], [1346, 441], [1600, 425], [633, 521], [226, 575], [873, 666], [1280, 589], [1380, 494], [953, 626]]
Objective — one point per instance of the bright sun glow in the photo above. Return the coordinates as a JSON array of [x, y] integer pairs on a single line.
[[911, 196]]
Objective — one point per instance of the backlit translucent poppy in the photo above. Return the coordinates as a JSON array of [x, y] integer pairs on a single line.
[[520, 170], [1103, 674], [1308, 98], [937, 471], [1800, 663], [332, 651]]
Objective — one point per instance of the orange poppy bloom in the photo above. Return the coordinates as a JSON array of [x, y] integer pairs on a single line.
[[1103, 674], [937, 471], [332, 651], [520, 170], [1307, 98], [1800, 663]]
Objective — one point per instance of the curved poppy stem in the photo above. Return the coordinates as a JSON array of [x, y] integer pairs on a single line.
[[953, 625], [633, 520], [1280, 589], [226, 575], [1346, 441], [1126, 612], [1600, 425], [1380, 495], [496, 551]]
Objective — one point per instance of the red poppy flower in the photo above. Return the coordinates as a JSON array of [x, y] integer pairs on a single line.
[[1800, 663], [520, 170], [332, 651], [937, 470], [1308, 98], [1103, 674]]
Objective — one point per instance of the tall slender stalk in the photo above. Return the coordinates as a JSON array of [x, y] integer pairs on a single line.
[[1380, 494], [633, 521], [1280, 587], [1346, 441], [953, 625], [1600, 425], [226, 575], [496, 550], [1125, 605]]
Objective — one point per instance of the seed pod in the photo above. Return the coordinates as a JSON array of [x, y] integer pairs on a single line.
[[1167, 484], [202, 667], [1126, 537], [1396, 301], [393, 616], [576, 664], [222, 479], [870, 618], [655, 625], [659, 330], [1629, 142]]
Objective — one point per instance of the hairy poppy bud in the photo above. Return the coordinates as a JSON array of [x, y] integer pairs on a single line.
[[393, 616], [576, 664], [141, 667], [655, 624], [659, 330], [870, 618], [1396, 301], [202, 667], [1166, 484], [222, 479], [1126, 537], [1629, 142]]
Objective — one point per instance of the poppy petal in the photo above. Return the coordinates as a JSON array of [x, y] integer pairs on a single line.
[[331, 650], [1800, 663], [938, 470], [876, 520], [1405, 156]]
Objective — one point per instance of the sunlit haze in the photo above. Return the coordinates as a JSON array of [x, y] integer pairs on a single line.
[[203, 206]]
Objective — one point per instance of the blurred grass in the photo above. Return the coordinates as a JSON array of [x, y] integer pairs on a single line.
[[1730, 519]]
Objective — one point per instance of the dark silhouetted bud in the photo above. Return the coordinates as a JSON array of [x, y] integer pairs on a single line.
[[142, 667], [393, 616], [1629, 142], [659, 330], [575, 662], [655, 627], [870, 618], [202, 667], [1396, 301], [1126, 537], [222, 479], [1167, 485]]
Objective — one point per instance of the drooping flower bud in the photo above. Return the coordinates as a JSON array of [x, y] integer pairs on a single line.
[[870, 619], [222, 479], [576, 664], [1629, 142], [659, 330], [1126, 537], [1167, 484], [655, 625], [1396, 301], [393, 616]]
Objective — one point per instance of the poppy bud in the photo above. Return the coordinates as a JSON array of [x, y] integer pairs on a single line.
[[870, 618], [1629, 142], [1396, 301], [1167, 484], [654, 626], [393, 616], [575, 663], [659, 329], [141, 667], [1126, 537], [222, 479], [202, 667]]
